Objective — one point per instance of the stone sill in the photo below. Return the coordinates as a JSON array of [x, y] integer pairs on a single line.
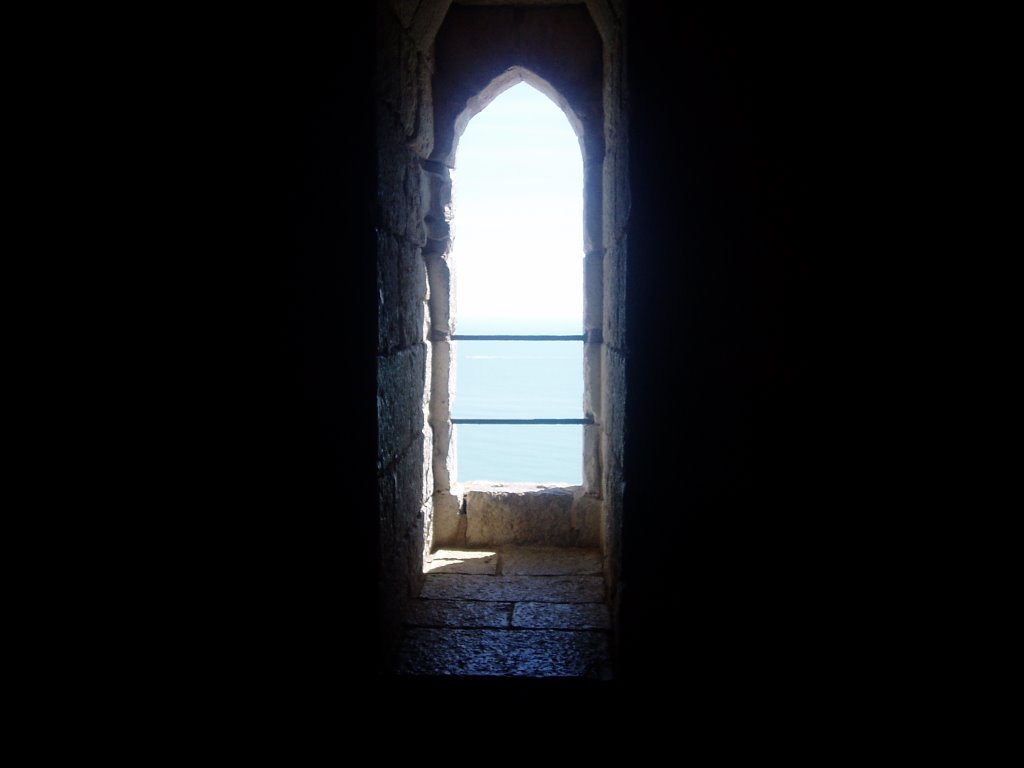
[[497, 513]]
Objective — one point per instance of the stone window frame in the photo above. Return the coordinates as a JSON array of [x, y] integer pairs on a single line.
[[448, 493]]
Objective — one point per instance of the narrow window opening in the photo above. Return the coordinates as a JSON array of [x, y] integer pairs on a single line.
[[518, 257]]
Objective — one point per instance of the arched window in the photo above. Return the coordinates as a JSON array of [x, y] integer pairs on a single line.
[[518, 266], [574, 308]]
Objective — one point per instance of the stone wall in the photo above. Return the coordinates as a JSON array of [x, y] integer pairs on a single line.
[[404, 182], [609, 17]]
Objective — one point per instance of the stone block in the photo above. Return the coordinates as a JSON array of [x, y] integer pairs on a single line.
[[398, 187], [613, 391], [593, 289], [421, 138], [611, 449], [437, 202], [550, 561], [499, 513], [400, 389], [439, 277], [593, 207], [592, 459], [413, 277], [587, 514], [614, 322], [560, 616], [388, 293], [410, 92], [504, 653], [449, 524], [443, 457], [592, 379], [460, 613]]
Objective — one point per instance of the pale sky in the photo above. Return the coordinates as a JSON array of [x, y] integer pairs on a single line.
[[518, 195]]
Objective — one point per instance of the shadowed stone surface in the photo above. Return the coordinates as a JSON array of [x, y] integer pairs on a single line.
[[560, 616], [462, 561], [548, 620], [546, 589], [507, 653], [459, 613], [550, 561]]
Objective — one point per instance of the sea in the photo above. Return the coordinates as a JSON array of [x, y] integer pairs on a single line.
[[518, 380]]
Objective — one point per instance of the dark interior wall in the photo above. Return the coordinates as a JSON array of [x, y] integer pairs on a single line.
[[721, 523], [267, 499], [725, 503], [477, 44], [322, 546]]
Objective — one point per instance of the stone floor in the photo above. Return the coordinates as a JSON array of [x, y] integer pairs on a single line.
[[535, 612]]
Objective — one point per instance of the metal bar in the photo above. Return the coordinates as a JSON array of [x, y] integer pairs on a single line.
[[587, 420], [506, 337]]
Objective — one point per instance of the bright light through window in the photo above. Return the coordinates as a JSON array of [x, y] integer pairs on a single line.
[[518, 258]]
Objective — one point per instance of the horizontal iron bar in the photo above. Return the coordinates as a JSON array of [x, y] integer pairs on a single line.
[[587, 420], [497, 337]]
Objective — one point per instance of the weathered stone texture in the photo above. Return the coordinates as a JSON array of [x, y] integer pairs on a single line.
[[421, 134], [518, 515], [592, 379], [399, 190], [401, 505], [400, 390], [401, 525], [505, 653], [413, 297], [408, 71], [429, 16], [405, 447], [518, 610], [550, 561], [526, 513], [449, 523], [543, 589], [592, 458], [614, 387], [560, 616], [389, 334], [587, 514], [437, 201], [593, 287], [614, 327], [593, 208], [607, 15], [405, 10], [459, 613], [611, 523]]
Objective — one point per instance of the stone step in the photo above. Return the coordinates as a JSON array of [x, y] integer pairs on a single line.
[[523, 561], [522, 612], [544, 589], [504, 653]]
